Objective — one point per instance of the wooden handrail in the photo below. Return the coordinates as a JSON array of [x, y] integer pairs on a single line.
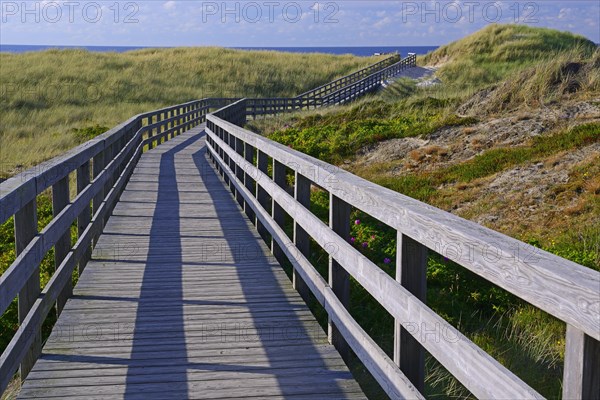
[[369, 83], [348, 79], [562, 288], [337, 92]]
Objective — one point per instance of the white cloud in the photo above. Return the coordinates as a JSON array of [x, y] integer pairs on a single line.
[[383, 22], [169, 5], [564, 13]]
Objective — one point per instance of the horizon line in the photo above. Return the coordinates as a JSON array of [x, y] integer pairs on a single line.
[[227, 47]]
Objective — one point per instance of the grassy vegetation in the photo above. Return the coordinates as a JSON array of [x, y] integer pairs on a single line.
[[423, 186], [335, 136], [498, 51], [491, 73], [53, 100]]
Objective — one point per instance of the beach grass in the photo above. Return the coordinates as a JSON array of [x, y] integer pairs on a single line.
[[55, 99]]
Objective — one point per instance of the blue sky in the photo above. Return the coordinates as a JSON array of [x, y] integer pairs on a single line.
[[279, 23]]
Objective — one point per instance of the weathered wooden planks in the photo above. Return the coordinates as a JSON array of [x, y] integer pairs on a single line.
[[182, 299]]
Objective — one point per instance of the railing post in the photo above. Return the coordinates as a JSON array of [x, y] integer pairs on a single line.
[[339, 222], [581, 378], [60, 199], [174, 114], [411, 269], [83, 220], [181, 111], [225, 138], [301, 238], [161, 129], [109, 155], [151, 133], [261, 194], [239, 172], [249, 153], [25, 231], [231, 143], [97, 167], [169, 125], [277, 211], [188, 118]]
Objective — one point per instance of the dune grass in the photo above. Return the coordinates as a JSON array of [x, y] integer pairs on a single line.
[[497, 51], [48, 98]]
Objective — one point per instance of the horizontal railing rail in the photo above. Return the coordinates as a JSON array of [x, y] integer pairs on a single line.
[[562, 288], [102, 167], [309, 96], [332, 94], [369, 83]]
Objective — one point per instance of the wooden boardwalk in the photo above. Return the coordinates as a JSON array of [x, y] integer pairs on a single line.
[[182, 299]]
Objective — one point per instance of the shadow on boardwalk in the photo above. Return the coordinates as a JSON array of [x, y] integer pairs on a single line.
[[267, 335], [182, 300]]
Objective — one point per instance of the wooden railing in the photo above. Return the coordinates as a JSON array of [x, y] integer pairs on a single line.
[[102, 167], [308, 98], [566, 290], [369, 83], [339, 91]]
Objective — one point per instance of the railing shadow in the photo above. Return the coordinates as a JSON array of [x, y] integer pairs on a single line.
[[165, 219], [277, 335]]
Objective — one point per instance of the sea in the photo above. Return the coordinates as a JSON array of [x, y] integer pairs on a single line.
[[357, 51]]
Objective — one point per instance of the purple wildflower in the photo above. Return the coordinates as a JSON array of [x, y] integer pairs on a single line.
[[386, 260], [357, 222]]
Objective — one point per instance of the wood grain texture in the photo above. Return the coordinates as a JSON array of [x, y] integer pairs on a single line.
[[198, 306], [560, 287], [249, 182], [261, 194], [60, 200], [277, 210], [339, 279], [301, 238], [84, 219], [27, 335], [411, 272], [169, 263], [582, 370], [25, 230]]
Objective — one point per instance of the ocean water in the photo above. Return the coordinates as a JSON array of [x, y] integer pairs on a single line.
[[358, 51]]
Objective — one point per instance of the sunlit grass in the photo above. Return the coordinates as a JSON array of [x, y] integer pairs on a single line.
[[48, 98]]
